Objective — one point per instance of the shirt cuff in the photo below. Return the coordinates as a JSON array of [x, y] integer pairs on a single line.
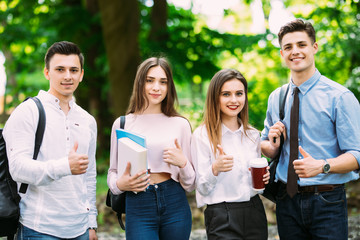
[[210, 177], [60, 168], [187, 171], [92, 221], [356, 154], [113, 188]]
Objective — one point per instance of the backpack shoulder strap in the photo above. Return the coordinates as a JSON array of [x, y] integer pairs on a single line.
[[38, 135], [122, 195], [122, 122], [282, 99]]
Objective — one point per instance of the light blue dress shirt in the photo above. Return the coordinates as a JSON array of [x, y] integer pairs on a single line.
[[329, 125]]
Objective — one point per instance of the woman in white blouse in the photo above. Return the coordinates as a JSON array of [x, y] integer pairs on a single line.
[[156, 203], [221, 149]]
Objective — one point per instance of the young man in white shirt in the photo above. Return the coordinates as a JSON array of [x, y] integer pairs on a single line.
[[60, 200]]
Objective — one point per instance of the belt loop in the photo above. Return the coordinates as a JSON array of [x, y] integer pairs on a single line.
[[316, 189]]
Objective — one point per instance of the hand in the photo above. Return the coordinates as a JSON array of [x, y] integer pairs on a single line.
[[175, 156], [266, 176], [307, 167], [275, 132], [137, 183], [223, 162], [78, 162], [92, 234]]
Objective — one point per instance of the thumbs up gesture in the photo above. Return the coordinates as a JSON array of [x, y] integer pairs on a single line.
[[78, 162], [175, 156], [137, 183], [223, 162], [308, 166]]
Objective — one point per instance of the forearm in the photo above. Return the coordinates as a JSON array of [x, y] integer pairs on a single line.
[[343, 164], [206, 181], [26, 170], [187, 177], [268, 150]]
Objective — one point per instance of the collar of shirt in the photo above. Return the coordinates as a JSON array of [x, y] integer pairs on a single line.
[[48, 97], [225, 130], [307, 85]]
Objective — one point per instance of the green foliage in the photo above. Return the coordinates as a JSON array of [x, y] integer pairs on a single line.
[[29, 27], [337, 25]]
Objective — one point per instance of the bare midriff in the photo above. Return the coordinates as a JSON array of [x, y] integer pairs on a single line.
[[156, 178]]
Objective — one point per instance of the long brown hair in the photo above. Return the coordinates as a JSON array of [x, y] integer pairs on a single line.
[[212, 116], [139, 102]]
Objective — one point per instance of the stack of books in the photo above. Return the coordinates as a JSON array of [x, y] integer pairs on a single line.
[[131, 148]]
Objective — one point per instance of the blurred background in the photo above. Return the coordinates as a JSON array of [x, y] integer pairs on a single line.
[[199, 37]]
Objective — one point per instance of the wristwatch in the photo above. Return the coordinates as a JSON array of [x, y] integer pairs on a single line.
[[326, 167], [93, 228]]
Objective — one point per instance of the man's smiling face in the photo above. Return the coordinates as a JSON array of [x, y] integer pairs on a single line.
[[298, 51]]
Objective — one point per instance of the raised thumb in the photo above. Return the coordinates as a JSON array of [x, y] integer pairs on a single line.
[[177, 144], [127, 169], [221, 150], [303, 152], [75, 147]]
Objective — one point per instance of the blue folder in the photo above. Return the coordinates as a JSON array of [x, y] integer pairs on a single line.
[[139, 139]]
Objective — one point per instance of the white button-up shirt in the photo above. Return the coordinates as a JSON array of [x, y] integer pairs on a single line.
[[56, 202], [231, 186]]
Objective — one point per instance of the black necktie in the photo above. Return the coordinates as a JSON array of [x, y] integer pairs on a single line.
[[291, 186]]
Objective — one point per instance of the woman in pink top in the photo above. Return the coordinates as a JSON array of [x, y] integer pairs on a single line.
[[156, 203]]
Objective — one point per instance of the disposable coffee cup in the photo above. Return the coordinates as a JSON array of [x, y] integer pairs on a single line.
[[258, 170]]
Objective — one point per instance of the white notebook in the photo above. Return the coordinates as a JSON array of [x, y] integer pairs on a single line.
[[130, 151]]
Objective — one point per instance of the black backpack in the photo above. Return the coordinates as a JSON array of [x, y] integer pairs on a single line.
[[9, 197], [117, 202]]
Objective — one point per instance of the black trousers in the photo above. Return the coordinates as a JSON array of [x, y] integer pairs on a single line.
[[239, 220]]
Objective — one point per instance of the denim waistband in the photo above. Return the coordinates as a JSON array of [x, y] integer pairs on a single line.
[[162, 185]]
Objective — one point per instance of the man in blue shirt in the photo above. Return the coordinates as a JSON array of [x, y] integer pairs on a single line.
[[328, 139]]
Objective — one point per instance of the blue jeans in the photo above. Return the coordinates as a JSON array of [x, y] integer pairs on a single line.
[[162, 212], [319, 215], [25, 233]]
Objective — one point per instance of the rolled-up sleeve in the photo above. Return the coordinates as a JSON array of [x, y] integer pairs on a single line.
[[348, 124]]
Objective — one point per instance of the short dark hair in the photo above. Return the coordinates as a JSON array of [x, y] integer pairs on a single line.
[[297, 25], [64, 48]]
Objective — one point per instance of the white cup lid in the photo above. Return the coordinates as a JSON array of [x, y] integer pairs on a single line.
[[258, 162]]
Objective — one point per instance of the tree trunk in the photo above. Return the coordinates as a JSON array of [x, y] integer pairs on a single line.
[[98, 105], [121, 23], [159, 16]]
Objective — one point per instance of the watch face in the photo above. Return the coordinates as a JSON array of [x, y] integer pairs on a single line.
[[326, 168]]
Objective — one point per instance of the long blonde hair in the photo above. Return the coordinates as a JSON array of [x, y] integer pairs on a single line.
[[212, 115], [138, 101]]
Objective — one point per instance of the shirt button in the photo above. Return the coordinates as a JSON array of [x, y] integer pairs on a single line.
[[67, 139]]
